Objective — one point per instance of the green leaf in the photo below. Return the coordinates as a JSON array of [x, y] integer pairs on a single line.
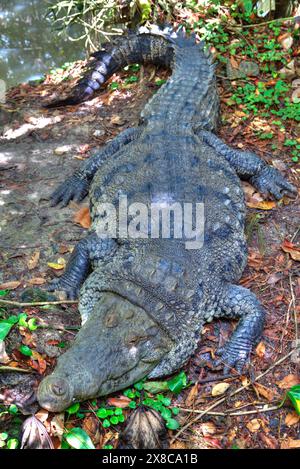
[[155, 387], [177, 383], [25, 350], [114, 86], [106, 423], [79, 439], [12, 443], [132, 404], [3, 292], [13, 409], [102, 413], [32, 326], [3, 436], [175, 410], [145, 8], [166, 413], [5, 327], [172, 424], [294, 395], [107, 447], [118, 411], [22, 320], [114, 420], [73, 409]]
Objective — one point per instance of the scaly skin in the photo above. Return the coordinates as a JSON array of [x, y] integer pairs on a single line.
[[171, 291]]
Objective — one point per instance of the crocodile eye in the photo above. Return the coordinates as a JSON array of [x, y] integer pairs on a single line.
[[134, 341], [111, 319], [59, 387]]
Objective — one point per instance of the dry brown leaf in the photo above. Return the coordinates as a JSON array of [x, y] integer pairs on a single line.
[[288, 381], [292, 419], [34, 260], [289, 443], [121, 401], [83, 217], [192, 395], [4, 358], [261, 205], [292, 249], [254, 425], [10, 285], [208, 428], [37, 281], [263, 391], [91, 426], [219, 389], [57, 425], [261, 350]]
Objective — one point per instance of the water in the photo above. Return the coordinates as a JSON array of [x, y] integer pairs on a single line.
[[29, 46]]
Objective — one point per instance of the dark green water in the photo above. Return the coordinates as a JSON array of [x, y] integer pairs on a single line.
[[29, 46]]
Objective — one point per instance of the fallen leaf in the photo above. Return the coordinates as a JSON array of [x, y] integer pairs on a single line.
[[192, 395], [264, 391], [269, 440], [33, 261], [253, 426], [60, 264], [261, 350], [35, 435], [292, 419], [83, 217], [121, 401], [10, 285], [57, 425], [4, 358], [208, 428], [37, 281], [292, 249], [261, 205], [219, 389], [289, 443], [288, 381]]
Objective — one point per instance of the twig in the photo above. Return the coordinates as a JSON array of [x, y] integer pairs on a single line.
[[220, 401], [245, 412], [256, 25], [12, 368], [38, 303]]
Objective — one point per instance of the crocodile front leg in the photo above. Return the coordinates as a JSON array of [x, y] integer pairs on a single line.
[[238, 302], [249, 166], [77, 186], [88, 250]]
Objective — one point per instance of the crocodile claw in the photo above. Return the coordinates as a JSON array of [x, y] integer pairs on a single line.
[[60, 284], [233, 356], [270, 182], [73, 188]]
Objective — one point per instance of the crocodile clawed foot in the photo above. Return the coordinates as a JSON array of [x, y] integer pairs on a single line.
[[73, 188], [270, 182], [233, 356], [60, 284]]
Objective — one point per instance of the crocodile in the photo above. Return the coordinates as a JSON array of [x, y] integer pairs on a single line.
[[144, 299]]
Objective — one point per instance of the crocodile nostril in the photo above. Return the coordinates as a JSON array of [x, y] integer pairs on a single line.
[[111, 320], [59, 388]]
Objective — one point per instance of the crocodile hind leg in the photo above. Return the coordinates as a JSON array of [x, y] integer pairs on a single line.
[[249, 166], [239, 302], [89, 250], [77, 186]]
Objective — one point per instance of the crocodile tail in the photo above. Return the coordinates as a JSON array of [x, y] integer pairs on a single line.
[[147, 46]]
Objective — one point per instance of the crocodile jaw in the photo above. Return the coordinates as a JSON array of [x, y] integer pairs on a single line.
[[118, 345]]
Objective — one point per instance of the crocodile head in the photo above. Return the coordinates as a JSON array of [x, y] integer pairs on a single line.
[[118, 345]]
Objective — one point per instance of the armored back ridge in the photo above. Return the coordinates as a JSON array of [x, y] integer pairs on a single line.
[[145, 302]]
